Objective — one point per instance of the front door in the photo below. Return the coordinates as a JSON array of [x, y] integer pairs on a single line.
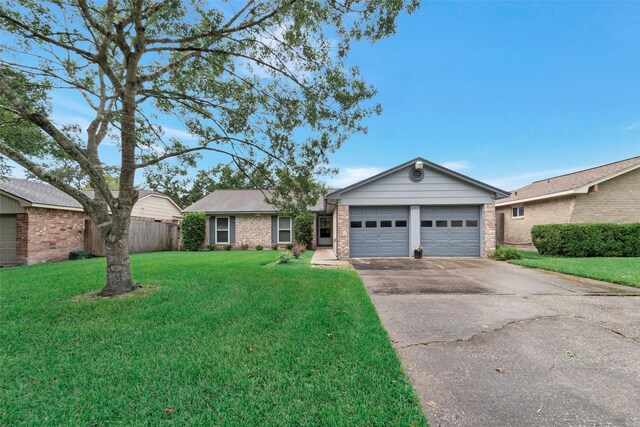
[[324, 231]]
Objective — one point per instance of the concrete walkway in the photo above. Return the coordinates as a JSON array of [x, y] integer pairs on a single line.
[[325, 257], [489, 343]]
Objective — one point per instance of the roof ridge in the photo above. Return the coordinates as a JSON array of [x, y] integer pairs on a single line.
[[584, 170]]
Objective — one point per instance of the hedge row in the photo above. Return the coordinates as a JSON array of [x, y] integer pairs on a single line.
[[587, 240]]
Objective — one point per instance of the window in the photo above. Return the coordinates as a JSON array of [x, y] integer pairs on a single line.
[[222, 229], [356, 224], [371, 224], [456, 223], [386, 224], [472, 223], [284, 229], [401, 223], [416, 175], [441, 224], [517, 212], [426, 223]]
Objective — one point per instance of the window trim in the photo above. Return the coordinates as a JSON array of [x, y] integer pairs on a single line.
[[517, 209], [290, 229], [228, 229]]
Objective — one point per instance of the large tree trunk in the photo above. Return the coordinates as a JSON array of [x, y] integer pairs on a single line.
[[119, 280]]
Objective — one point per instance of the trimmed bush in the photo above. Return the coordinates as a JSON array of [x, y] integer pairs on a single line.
[[303, 228], [211, 247], [259, 247], [289, 246], [244, 246], [284, 257], [505, 253], [193, 230], [227, 247], [274, 247], [587, 240]]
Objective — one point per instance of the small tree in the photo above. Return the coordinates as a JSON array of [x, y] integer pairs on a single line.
[[303, 228], [193, 230]]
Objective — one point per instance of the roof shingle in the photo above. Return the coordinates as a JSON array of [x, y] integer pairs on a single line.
[[570, 181], [240, 201]]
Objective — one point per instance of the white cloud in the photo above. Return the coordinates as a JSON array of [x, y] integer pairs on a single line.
[[348, 176], [457, 165], [634, 126], [517, 181], [177, 133]]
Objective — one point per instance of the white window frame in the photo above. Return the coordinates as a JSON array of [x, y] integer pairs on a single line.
[[290, 229], [228, 230], [517, 209]]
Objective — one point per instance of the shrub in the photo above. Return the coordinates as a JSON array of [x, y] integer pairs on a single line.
[[211, 247], [303, 228], [193, 230], [505, 253], [259, 247], [274, 247], [587, 240], [284, 257], [298, 249], [244, 246], [227, 247], [289, 246]]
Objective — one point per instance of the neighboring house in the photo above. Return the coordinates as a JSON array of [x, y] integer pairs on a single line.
[[608, 193], [415, 203], [40, 223]]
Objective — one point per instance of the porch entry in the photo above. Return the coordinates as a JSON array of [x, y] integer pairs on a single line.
[[324, 231]]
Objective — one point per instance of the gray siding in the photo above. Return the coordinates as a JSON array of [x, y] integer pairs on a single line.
[[435, 189], [9, 205]]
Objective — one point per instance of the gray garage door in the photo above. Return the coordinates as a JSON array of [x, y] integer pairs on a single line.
[[7, 239], [450, 230], [381, 231]]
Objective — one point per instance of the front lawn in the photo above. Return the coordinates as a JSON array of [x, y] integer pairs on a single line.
[[215, 338], [625, 271]]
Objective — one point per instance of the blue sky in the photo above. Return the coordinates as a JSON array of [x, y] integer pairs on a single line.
[[505, 92]]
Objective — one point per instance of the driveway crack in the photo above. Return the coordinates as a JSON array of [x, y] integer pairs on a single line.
[[483, 332]]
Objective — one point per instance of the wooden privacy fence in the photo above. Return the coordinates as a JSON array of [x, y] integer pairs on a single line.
[[144, 236]]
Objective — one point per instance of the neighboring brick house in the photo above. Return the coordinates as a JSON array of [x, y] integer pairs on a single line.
[[415, 203], [40, 223], [608, 193]]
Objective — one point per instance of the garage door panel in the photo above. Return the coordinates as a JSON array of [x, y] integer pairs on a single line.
[[387, 234], [450, 230]]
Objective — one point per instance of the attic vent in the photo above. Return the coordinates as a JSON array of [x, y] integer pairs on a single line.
[[416, 175]]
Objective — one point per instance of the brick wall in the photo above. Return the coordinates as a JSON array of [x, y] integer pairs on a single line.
[[342, 233], [22, 238], [616, 200], [254, 230], [53, 233], [489, 229], [517, 231]]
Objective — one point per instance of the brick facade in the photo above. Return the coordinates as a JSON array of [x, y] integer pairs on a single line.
[[616, 201], [254, 229], [342, 231], [488, 229], [49, 235]]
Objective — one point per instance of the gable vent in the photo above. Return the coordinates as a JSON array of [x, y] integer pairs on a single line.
[[416, 175]]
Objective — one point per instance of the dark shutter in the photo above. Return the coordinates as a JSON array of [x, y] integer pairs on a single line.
[[232, 229], [212, 230], [274, 229]]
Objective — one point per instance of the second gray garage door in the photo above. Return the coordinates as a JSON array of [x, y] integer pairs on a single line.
[[450, 230], [381, 231]]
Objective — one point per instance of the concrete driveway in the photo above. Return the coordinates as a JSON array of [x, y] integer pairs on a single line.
[[489, 343]]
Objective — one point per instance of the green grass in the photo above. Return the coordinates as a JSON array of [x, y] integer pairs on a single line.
[[625, 271], [224, 338]]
